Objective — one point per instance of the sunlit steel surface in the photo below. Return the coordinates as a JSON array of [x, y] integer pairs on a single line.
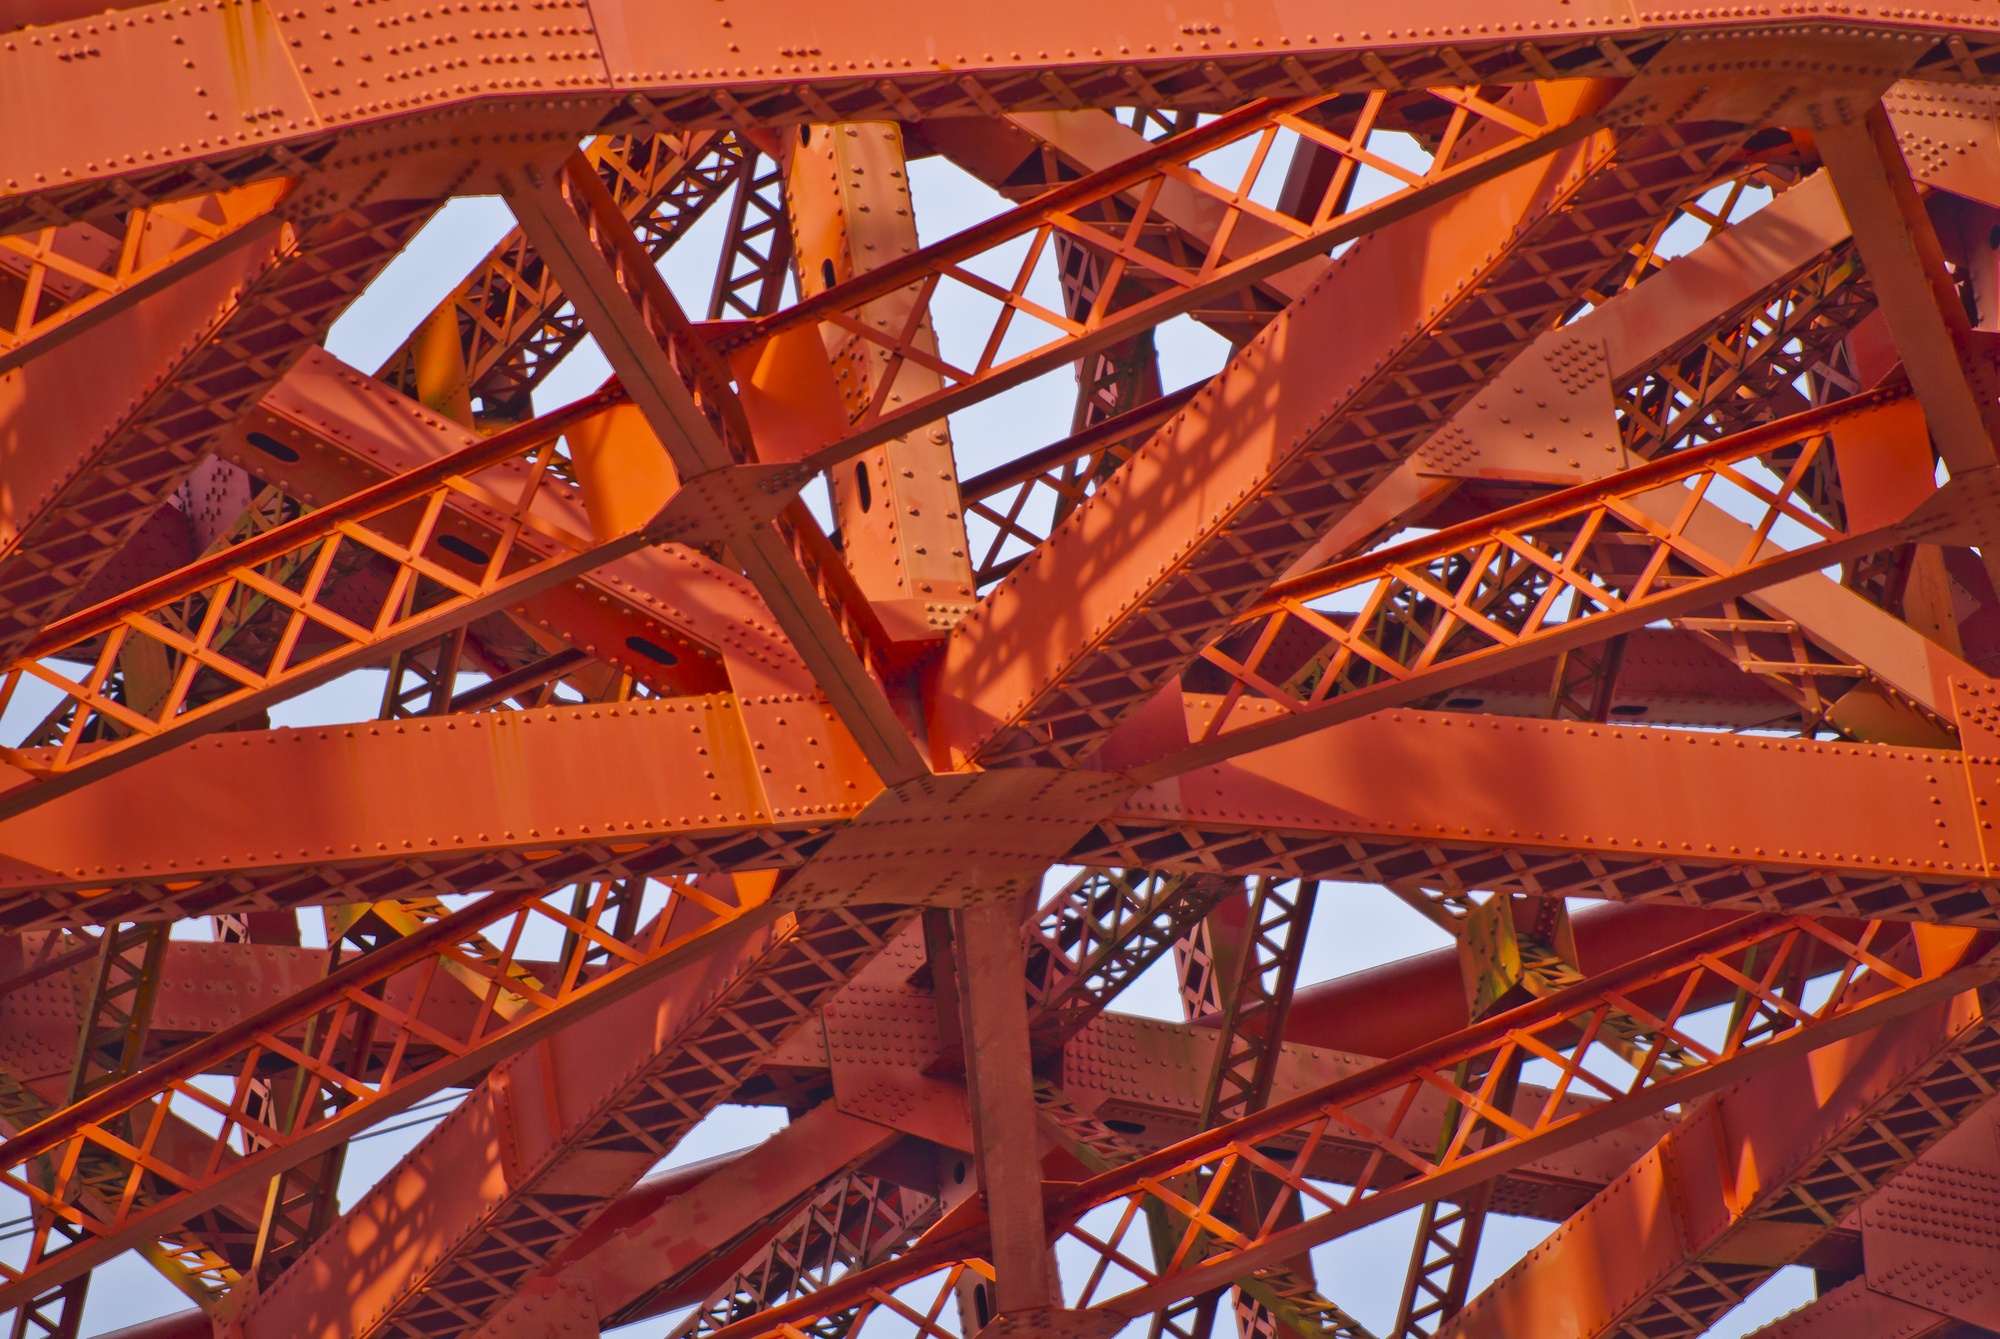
[[1592, 504]]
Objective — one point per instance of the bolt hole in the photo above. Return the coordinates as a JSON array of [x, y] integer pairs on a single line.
[[651, 649], [458, 548], [863, 489], [271, 446]]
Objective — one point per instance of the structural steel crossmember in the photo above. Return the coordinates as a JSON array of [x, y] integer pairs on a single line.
[[1128, 1274], [1596, 498], [1576, 567], [338, 1016]]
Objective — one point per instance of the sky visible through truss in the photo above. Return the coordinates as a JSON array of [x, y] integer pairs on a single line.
[[1357, 926]]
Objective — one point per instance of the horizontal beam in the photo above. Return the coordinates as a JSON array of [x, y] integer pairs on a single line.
[[1842, 828], [898, 61], [1412, 798], [352, 815]]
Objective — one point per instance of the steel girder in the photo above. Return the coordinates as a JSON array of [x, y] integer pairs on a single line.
[[674, 800]]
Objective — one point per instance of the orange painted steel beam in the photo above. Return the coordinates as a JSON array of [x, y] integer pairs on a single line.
[[731, 1020], [549, 1139], [847, 191], [999, 1077], [673, 1250], [675, 383], [1848, 829], [1075, 945], [1525, 582], [49, 405], [1747, 1182], [694, 783], [1204, 1250], [1918, 302], [506, 326], [327, 431], [601, 1288], [1412, 798], [1262, 458], [1399, 1005], [1922, 1237], [1743, 287], [429, 1050], [197, 355], [637, 1268], [61, 281], [1855, 1311], [194, 619], [1490, 141], [434, 1017], [1645, 332], [1162, 1100], [663, 60], [1168, 683], [655, 1247]]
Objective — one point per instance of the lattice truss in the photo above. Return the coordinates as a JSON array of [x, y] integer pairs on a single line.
[[1578, 529]]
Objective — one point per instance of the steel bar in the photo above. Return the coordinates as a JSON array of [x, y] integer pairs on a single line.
[[190, 618], [1511, 459], [1559, 1030], [700, 433], [247, 1145], [508, 322], [1222, 483], [1448, 609]]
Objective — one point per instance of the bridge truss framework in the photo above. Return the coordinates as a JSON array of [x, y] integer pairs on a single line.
[[1587, 538]]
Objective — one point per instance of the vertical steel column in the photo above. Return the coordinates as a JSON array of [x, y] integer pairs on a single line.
[[901, 524], [988, 956]]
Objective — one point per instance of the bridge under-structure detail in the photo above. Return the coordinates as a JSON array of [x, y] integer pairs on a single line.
[[1579, 532]]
